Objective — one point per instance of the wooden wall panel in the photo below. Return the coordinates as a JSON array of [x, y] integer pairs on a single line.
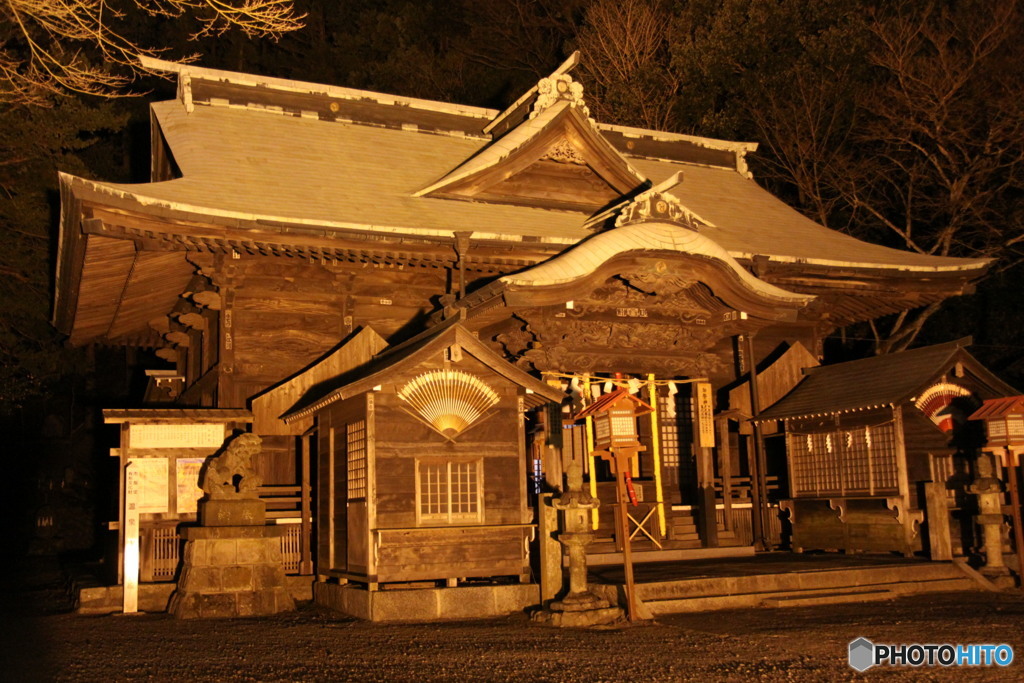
[[396, 502], [287, 313], [922, 439], [502, 494], [278, 462], [323, 494], [450, 553]]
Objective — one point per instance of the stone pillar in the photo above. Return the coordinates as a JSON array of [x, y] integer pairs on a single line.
[[550, 550], [940, 542]]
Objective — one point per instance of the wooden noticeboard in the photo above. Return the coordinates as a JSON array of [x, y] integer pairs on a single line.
[[187, 480], [162, 451], [151, 490], [704, 414]]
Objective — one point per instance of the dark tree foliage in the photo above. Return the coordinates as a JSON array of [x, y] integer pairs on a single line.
[[73, 136]]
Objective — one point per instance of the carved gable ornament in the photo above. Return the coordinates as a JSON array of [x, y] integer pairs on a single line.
[[659, 205], [548, 153]]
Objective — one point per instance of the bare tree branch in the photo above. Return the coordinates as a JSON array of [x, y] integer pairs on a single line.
[[44, 43]]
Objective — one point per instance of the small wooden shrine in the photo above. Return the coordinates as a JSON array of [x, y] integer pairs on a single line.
[[863, 437], [422, 457]]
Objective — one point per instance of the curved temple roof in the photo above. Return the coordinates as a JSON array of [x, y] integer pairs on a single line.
[[248, 163]]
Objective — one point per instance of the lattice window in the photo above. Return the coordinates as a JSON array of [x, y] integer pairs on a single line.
[[823, 461], [356, 448], [884, 472], [801, 459], [669, 433], [856, 461], [844, 462], [449, 491]]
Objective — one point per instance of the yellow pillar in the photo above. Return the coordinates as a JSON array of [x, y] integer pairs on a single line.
[[656, 453], [590, 452]]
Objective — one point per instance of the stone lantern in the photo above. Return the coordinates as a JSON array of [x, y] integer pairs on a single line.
[[1004, 429]]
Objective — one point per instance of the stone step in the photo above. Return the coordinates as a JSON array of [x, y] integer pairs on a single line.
[[669, 555], [801, 600], [806, 580], [705, 603]]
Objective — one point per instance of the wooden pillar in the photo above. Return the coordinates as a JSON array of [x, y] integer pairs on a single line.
[[903, 480], [656, 454], [589, 429], [306, 525], [725, 471], [703, 440], [620, 463], [758, 484], [1012, 460]]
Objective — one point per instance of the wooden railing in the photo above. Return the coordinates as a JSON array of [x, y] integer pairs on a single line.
[[161, 548], [741, 486], [283, 502]]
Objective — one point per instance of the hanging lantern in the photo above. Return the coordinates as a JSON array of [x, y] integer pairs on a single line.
[[614, 416], [1004, 421]]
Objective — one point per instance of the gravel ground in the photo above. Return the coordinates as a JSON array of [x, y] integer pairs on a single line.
[[798, 644]]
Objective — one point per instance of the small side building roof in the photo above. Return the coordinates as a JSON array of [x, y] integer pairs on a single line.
[[874, 382], [398, 358], [999, 407]]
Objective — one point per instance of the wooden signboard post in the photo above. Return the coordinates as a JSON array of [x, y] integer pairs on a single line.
[[132, 496], [620, 459]]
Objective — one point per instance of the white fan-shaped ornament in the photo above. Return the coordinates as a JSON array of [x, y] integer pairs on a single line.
[[450, 400]]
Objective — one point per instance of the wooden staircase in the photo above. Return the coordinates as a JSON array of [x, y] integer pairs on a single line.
[[683, 530], [683, 543]]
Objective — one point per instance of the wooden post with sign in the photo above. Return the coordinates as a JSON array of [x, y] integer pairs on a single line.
[[1012, 460], [615, 437], [621, 462], [704, 413], [133, 485]]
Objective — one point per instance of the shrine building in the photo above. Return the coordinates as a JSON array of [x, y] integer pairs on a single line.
[[409, 301]]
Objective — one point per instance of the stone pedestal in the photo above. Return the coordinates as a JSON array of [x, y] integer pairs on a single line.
[[231, 571], [232, 512]]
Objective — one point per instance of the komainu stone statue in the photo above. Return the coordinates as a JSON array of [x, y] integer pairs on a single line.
[[232, 486], [230, 474], [232, 565]]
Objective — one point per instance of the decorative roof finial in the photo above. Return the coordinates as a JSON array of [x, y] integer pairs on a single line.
[[556, 87]]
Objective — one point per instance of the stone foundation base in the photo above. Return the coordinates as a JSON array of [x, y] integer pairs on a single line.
[[578, 618], [426, 604], [231, 571]]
